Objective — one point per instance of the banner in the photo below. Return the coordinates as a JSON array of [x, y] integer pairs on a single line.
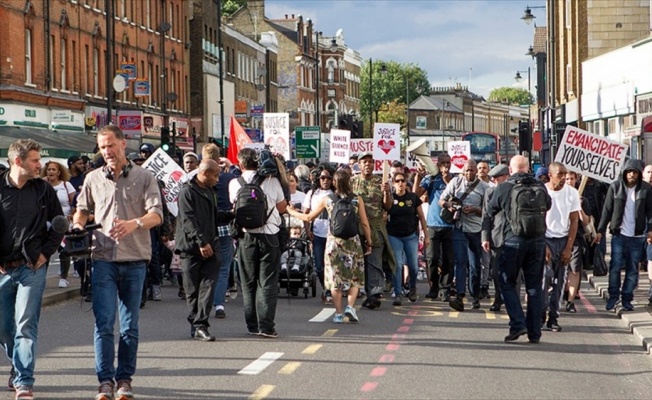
[[238, 138], [170, 173], [359, 146], [387, 141], [340, 146], [591, 155], [276, 128], [460, 153]]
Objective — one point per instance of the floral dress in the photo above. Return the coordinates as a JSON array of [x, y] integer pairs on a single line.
[[344, 261]]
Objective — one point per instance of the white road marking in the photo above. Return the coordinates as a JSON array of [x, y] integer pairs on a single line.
[[323, 315], [260, 364]]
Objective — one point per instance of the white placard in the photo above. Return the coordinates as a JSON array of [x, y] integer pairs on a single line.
[[411, 161], [359, 146], [460, 153], [170, 173], [591, 155], [276, 130], [387, 141], [340, 149]]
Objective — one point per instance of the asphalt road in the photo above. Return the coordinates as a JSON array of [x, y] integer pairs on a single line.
[[421, 350]]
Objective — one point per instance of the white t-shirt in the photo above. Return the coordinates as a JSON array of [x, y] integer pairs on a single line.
[[319, 226], [297, 197], [628, 226], [564, 202], [273, 192], [64, 190]]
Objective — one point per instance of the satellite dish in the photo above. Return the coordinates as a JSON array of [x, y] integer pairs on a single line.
[[119, 83]]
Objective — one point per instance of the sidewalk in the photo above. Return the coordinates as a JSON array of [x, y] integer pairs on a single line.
[[53, 294]]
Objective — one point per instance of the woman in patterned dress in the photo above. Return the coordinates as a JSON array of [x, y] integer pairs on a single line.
[[344, 263]]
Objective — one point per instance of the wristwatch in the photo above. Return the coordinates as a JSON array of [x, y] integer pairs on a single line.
[[139, 223]]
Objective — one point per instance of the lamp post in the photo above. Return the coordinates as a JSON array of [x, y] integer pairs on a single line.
[[441, 123], [383, 71], [528, 17], [519, 78]]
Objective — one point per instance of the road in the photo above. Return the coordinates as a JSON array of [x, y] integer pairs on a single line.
[[421, 350]]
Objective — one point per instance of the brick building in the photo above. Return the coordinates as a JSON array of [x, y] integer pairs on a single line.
[[54, 74]]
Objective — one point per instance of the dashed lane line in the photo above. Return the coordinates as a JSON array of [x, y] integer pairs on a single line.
[[261, 363], [289, 368], [329, 333], [262, 392], [312, 349]]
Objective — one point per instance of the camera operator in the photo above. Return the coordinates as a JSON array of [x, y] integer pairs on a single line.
[[127, 203], [468, 188], [27, 204]]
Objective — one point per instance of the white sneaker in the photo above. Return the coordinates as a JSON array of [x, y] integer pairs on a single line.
[[75, 274], [63, 283], [295, 269]]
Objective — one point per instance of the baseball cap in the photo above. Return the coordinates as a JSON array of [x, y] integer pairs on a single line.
[[366, 154], [147, 147], [72, 160], [499, 170]]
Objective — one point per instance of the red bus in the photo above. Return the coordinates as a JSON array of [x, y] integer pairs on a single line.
[[484, 147]]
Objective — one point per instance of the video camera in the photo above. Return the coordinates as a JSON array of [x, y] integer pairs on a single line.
[[456, 205], [78, 241]]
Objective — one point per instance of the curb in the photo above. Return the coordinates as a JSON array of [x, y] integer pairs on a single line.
[[639, 321], [52, 296]]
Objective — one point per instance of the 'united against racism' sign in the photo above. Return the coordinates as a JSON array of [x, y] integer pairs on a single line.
[[591, 155]]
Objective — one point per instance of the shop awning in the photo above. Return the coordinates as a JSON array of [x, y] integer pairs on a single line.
[[55, 144]]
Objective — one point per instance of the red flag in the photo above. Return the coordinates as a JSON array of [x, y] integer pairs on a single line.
[[238, 138]]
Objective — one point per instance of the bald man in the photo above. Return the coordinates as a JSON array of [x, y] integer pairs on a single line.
[[197, 243], [520, 252]]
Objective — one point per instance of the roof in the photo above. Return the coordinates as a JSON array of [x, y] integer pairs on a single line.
[[286, 27], [540, 40], [434, 103]]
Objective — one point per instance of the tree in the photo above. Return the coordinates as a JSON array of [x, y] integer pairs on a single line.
[[511, 95], [400, 83], [231, 6]]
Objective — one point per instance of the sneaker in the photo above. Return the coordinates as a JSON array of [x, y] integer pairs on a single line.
[[338, 318], [124, 391], [570, 307], [12, 376], [63, 283], [25, 393], [553, 326], [611, 303], [412, 294], [105, 391], [295, 269], [457, 304], [475, 304], [649, 302], [628, 306], [156, 293], [372, 302], [233, 293], [75, 274], [350, 314], [220, 313], [388, 287], [397, 301], [269, 334], [203, 335]]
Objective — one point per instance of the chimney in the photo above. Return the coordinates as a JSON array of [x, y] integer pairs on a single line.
[[286, 16], [292, 16]]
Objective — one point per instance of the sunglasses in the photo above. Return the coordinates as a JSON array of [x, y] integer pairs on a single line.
[[325, 178], [399, 180]]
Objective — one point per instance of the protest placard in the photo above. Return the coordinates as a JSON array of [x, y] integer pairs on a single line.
[[170, 173], [340, 148], [387, 141], [359, 146], [276, 128], [591, 155], [460, 153]]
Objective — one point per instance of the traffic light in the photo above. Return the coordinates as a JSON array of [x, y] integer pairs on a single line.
[[524, 137], [165, 140]]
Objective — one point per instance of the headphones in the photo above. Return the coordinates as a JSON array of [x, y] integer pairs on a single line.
[[125, 171]]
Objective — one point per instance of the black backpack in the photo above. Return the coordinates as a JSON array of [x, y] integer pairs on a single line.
[[251, 204], [528, 206], [344, 218]]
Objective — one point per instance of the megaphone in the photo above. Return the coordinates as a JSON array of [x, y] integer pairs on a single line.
[[419, 149]]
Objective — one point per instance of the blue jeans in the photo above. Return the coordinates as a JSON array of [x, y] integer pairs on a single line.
[[407, 247], [121, 281], [222, 285], [319, 252], [468, 251], [528, 255], [21, 292], [625, 251]]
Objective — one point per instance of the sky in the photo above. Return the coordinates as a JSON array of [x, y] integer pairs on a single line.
[[477, 43]]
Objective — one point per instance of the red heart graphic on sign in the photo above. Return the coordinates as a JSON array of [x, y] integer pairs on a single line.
[[459, 161], [386, 145]]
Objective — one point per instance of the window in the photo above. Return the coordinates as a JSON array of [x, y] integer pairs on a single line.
[[567, 13], [569, 78], [51, 62], [148, 17], [171, 33], [64, 57], [85, 69], [28, 56], [150, 68], [96, 71], [123, 9], [75, 78]]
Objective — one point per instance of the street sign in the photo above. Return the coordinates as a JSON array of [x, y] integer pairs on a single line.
[[308, 141]]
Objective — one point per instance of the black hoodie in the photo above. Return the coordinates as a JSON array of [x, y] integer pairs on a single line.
[[614, 205]]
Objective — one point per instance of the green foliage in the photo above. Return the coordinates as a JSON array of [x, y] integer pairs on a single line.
[[400, 85], [511, 95], [231, 6]]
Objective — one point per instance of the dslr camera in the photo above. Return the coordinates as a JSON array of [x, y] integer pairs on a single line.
[[78, 241], [456, 206]]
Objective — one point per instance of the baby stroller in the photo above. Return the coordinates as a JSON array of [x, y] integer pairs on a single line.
[[296, 268]]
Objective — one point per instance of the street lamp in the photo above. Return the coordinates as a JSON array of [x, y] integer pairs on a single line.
[[519, 78], [441, 122], [383, 71]]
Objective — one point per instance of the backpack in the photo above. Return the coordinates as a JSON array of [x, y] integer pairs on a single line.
[[344, 218], [250, 206], [527, 215]]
